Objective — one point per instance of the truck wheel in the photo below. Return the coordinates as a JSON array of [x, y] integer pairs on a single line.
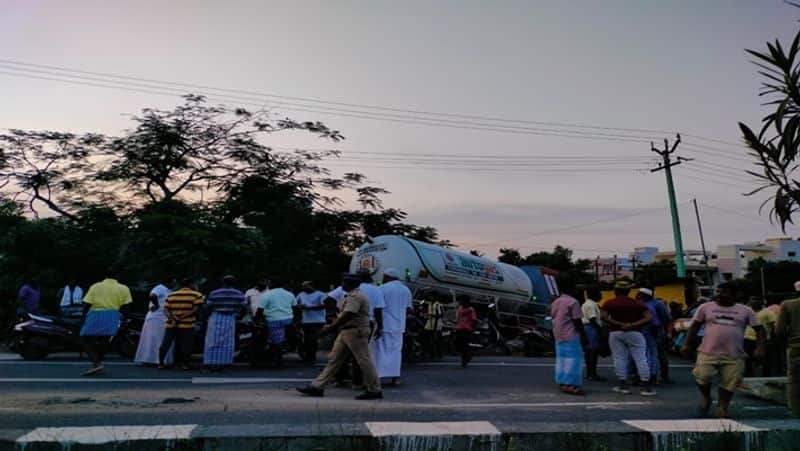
[[32, 350]]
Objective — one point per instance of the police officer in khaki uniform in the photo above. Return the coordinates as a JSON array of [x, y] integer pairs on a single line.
[[354, 331]]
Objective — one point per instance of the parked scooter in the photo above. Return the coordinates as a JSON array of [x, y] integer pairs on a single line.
[[37, 336]]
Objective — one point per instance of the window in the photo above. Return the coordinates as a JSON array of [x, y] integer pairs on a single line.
[[727, 276], [791, 253]]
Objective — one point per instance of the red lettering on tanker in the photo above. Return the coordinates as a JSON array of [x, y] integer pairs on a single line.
[[471, 268]]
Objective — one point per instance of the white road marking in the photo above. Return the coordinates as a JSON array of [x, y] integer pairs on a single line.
[[85, 363], [106, 434], [61, 380], [194, 380], [392, 428], [521, 364], [713, 425], [245, 380], [531, 405]]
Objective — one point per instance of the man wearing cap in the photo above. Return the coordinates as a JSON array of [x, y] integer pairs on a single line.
[[353, 338], [387, 349], [625, 318], [311, 302]]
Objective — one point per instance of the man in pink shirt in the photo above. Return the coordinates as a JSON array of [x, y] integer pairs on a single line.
[[722, 349], [567, 318]]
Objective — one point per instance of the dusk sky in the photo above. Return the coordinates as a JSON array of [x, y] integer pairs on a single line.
[[671, 66]]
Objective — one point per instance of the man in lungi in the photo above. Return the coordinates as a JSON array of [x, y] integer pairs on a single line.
[[353, 338], [102, 304], [387, 348], [224, 304], [276, 307], [567, 319]]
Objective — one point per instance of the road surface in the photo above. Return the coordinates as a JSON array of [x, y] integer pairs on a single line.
[[504, 390]]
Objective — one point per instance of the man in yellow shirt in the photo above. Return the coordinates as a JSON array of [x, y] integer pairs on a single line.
[[102, 304], [767, 319]]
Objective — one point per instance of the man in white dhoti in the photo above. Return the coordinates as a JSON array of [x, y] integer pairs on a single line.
[[153, 329], [387, 348]]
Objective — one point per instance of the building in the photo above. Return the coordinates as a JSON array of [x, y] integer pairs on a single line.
[[733, 259]]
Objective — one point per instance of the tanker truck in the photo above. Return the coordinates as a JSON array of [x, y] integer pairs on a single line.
[[503, 290]]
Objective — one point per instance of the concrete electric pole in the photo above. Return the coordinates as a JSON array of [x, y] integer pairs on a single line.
[[666, 166]]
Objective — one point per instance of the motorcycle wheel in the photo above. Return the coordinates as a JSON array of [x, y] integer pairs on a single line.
[[32, 350], [126, 345]]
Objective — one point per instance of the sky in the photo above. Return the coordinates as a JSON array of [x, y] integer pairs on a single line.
[[669, 66]]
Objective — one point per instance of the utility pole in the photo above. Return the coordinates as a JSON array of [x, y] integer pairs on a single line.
[[703, 244], [666, 166], [615, 268], [597, 270]]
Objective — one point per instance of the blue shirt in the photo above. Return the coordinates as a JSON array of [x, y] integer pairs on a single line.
[[225, 300], [660, 315], [314, 299], [277, 304]]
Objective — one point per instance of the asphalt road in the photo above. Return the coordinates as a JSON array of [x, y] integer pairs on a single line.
[[498, 389]]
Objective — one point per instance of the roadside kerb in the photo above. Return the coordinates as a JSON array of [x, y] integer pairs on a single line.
[[651, 435]]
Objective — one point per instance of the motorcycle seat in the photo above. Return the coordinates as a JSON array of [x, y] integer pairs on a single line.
[[68, 321]]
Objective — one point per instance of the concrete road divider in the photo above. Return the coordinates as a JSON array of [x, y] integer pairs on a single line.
[[632, 435]]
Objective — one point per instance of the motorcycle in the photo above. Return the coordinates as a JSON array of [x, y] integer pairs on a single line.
[[37, 336]]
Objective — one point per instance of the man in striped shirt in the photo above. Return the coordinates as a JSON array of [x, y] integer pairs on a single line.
[[224, 304], [180, 307]]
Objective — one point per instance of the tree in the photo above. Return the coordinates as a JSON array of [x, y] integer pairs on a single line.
[[193, 191], [46, 168], [510, 256], [775, 146]]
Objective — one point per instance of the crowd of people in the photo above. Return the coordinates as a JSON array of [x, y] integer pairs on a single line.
[[727, 339], [369, 322]]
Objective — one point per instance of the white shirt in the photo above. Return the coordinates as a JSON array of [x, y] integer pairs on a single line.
[[591, 310], [338, 294], [253, 297], [397, 298], [161, 293], [71, 297], [374, 296]]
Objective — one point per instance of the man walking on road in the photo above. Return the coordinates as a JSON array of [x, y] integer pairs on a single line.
[[102, 304], [625, 318], [722, 349], [353, 328], [387, 349], [568, 331]]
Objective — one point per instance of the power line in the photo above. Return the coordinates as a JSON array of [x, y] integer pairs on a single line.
[[479, 169], [77, 79], [262, 96], [328, 102], [726, 178], [574, 227], [721, 141], [735, 213], [710, 182]]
